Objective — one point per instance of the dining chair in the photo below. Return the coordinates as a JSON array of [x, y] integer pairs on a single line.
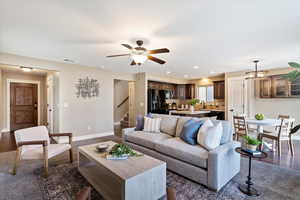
[[240, 127], [292, 132], [34, 144], [281, 133], [84, 194], [276, 127]]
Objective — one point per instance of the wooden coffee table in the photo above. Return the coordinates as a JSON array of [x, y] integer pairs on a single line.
[[136, 178]]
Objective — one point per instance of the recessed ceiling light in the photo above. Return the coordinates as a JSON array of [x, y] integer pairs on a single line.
[[26, 69], [168, 72], [196, 67], [212, 72], [68, 60]]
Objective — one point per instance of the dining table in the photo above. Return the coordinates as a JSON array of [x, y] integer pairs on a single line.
[[260, 124]]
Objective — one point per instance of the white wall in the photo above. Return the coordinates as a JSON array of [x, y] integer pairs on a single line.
[[77, 114]]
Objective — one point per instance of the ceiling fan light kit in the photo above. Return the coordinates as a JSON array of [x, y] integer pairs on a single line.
[[140, 54], [256, 74]]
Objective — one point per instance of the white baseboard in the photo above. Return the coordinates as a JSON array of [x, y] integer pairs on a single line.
[[82, 137], [4, 130]]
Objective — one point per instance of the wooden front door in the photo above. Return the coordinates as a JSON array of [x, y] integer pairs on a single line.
[[23, 105]]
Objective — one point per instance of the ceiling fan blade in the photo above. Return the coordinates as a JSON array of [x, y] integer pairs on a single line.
[[156, 60], [118, 55], [127, 46], [156, 51], [132, 63]]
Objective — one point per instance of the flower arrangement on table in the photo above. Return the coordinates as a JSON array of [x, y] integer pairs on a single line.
[[121, 152]]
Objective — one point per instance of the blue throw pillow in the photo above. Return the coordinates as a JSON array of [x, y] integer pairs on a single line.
[[190, 131], [140, 122]]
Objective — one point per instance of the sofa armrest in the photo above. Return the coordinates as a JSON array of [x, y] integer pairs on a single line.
[[223, 164], [126, 131]]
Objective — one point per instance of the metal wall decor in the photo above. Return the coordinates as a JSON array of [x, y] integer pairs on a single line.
[[87, 88]]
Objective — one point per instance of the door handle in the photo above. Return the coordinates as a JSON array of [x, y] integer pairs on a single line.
[[35, 105], [231, 110]]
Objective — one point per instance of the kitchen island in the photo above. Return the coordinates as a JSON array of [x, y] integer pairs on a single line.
[[199, 113]]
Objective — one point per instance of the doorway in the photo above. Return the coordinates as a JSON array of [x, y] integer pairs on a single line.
[[23, 105], [237, 97]]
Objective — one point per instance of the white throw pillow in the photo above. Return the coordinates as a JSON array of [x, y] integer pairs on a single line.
[[209, 136], [152, 124]]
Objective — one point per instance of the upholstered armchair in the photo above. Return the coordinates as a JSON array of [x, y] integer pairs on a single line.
[[34, 144]]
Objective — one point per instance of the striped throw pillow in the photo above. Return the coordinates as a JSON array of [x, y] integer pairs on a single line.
[[152, 124]]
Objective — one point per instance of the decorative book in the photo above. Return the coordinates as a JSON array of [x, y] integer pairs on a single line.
[[254, 153]]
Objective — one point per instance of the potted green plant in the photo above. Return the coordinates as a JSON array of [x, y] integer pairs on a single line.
[[295, 74], [192, 104], [251, 142]]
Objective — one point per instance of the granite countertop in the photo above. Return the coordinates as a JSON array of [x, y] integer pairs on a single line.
[[187, 112], [214, 109]]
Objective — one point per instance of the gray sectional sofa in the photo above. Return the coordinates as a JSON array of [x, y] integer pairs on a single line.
[[211, 168]]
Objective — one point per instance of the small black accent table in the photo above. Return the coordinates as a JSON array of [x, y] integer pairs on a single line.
[[248, 189]]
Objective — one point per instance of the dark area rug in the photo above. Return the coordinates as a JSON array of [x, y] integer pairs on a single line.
[[275, 183]]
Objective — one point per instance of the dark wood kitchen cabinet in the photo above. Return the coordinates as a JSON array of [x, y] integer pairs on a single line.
[[265, 88], [219, 89], [277, 86], [190, 91], [280, 87], [180, 91]]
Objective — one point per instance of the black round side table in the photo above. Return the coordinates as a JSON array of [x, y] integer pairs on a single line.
[[248, 188]]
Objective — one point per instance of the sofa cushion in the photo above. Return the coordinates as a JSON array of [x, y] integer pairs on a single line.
[[181, 121], [176, 148], [146, 139], [38, 153], [190, 131], [140, 122], [168, 124], [227, 130], [152, 124], [209, 136]]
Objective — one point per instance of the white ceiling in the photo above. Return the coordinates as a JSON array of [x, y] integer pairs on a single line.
[[218, 36]]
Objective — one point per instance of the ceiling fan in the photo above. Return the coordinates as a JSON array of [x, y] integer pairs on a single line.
[[140, 54]]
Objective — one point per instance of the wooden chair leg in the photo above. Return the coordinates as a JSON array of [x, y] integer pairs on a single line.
[[291, 144], [279, 147], [274, 145], [17, 160], [46, 164], [261, 139], [71, 155]]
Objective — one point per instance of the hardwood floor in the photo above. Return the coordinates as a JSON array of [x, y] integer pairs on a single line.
[[7, 143]]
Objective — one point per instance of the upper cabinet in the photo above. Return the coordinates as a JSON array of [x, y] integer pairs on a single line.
[[219, 90], [278, 87], [178, 91], [190, 91], [265, 88]]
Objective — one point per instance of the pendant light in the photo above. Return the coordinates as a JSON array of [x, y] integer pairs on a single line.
[[256, 74]]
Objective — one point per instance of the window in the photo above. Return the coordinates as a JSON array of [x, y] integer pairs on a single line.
[[205, 93]]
